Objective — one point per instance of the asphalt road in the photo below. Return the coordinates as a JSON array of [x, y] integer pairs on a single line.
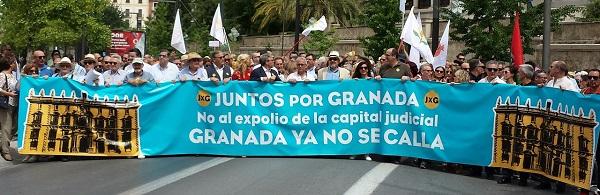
[[230, 175]]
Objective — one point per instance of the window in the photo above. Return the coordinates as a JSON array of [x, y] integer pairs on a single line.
[[140, 13], [424, 4], [114, 1], [127, 1], [140, 1], [126, 12]]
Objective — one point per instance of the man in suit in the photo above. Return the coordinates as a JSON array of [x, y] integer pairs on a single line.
[[333, 71], [219, 71], [265, 73]]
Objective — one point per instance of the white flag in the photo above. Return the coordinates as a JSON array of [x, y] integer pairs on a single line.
[[413, 34], [403, 6], [177, 41], [414, 55], [441, 53], [320, 25], [216, 29], [141, 44]]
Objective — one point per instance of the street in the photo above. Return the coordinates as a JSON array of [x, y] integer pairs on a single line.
[[229, 175]]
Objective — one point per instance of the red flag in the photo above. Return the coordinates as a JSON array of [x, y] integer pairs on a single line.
[[516, 45]]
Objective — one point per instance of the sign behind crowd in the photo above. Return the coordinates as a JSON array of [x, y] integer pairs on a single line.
[[539, 130]]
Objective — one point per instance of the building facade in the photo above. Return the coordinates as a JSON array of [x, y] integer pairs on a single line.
[[136, 11]]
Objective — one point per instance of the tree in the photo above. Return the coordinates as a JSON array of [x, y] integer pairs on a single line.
[[381, 16], [591, 13], [486, 26], [28, 24], [320, 42], [113, 17], [268, 11]]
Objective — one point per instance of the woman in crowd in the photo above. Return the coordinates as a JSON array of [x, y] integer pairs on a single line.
[[243, 69], [439, 74], [364, 70], [461, 76], [509, 75], [8, 89], [30, 69]]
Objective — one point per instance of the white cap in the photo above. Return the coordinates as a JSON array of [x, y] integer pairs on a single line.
[[334, 54], [65, 60], [137, 61]]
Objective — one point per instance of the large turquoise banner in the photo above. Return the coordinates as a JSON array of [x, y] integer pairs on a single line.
[[541, 130]]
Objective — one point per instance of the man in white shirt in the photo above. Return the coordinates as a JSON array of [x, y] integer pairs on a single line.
[[195, 70], [311, 65], [92, 77], [165, 71], [558, 72], [114, 75], [491, 70], [219, 71], [301, 74]]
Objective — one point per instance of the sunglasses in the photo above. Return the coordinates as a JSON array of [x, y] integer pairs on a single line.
[[593, 78], [492, 69], [41, 57], [364, 68], [333, 59], [461, 58], [301, 64], [466, 69], [439, 71]]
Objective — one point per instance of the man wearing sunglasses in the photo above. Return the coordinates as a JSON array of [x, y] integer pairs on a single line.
[[165, 71], [491, 70], [114, 75], [394, 68], [333, 71], [92, 77], [39, 59], [593, 82]]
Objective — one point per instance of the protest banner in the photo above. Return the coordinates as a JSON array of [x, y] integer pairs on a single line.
[[541, 130]]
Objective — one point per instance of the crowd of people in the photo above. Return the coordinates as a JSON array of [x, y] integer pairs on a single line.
[[262, 66]]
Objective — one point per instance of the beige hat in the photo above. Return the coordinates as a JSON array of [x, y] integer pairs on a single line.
[[194, 55], [65, 60], [89, 57], [334, 54], [184, 58]]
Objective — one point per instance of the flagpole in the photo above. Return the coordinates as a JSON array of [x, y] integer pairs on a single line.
[[295, 44]]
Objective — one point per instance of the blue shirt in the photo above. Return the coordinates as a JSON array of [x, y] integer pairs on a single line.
[[46, 71], [332, 75], [145, 75]]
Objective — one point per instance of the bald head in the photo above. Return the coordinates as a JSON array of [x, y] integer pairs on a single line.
[[39, 57]]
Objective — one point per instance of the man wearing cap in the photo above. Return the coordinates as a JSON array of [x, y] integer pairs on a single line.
[[333, 71], [265, 73], [65, 68], [114, 75], [219, 71], [92, 77], [394, 68], [195, 70], [138, 76], [165, 71]]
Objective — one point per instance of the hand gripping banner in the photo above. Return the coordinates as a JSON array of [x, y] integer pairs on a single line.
[[530, 129]]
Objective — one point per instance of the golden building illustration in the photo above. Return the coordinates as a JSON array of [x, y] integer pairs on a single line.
[[557, 143], [59, 125]]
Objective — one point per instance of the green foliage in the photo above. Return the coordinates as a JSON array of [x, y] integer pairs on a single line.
[[486, 29], [113, 17], [28, 24], [591, 13], [320, 42], [381, 16], [269, 11]]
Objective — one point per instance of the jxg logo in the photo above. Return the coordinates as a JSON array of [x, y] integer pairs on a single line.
[[432, 100], [203, 98]]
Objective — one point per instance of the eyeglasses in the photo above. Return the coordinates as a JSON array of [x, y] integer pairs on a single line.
[[467, 69], [333, 59], [301, 64], [593, 78], [40, 57], [364, 68], [88, 62], [461, 58], [439, 71], [279, 64], [492, 69]]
